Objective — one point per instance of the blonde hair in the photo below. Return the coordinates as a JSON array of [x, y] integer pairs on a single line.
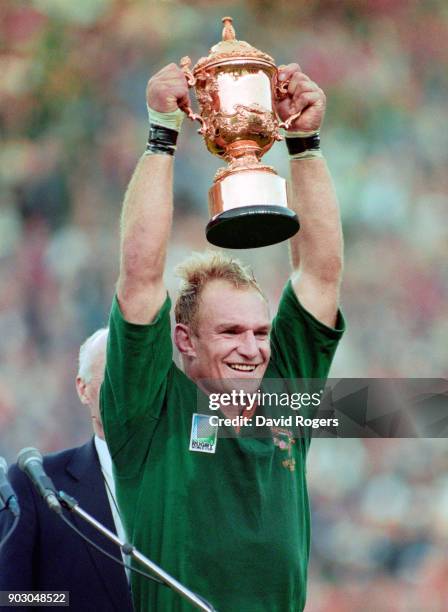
[[201, 268]]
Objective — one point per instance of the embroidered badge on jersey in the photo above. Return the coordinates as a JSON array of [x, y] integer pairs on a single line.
[[203, 437], [284, 439]]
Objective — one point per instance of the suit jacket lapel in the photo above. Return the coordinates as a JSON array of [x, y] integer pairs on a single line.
[[85, 468]]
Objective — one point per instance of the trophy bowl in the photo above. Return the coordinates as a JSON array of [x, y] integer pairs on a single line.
[[236, 87]]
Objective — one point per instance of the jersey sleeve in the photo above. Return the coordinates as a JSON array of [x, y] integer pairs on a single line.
[[138, 364], [302, 349], [302, 346]]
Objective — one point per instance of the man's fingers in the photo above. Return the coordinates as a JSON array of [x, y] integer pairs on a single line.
[[299, 81], [169, 68], [286, 72], [168, 89], [184, 101], [172, 77], [180, 90], [290, 68], [308, 98]]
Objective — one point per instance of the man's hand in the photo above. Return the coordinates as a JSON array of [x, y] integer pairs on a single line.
[[167, 90], [304, 96]]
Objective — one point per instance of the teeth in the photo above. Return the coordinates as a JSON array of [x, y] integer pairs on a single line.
[[242, 367]]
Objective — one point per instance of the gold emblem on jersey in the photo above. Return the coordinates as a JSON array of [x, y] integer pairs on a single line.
[[284, 439]]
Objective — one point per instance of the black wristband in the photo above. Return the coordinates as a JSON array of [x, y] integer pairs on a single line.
[[161, 140], [297, 144]]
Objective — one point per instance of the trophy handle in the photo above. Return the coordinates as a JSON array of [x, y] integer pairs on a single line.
[[287, 124], [281, 90], [185, 64]]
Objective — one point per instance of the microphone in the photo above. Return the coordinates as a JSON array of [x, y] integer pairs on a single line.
[[7, 495], [30, 461]]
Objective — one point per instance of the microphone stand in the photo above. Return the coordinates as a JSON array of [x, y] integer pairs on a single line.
[[72, 504]]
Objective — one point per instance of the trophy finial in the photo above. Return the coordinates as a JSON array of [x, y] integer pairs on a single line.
[[228, 32]]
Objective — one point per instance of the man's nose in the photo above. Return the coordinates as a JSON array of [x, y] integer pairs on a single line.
[[248, 346]]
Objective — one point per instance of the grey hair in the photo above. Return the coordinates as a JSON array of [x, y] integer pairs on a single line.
[[89, 350]]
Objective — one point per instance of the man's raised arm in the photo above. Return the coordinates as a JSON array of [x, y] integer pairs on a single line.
[[317, 250], [148, 205]]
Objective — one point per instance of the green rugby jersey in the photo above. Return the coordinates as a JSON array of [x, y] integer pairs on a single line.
[[232, 525]]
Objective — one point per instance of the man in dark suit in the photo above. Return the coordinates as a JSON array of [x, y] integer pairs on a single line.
[[44, 554]]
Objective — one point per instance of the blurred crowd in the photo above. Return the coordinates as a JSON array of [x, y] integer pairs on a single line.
[[73, 124]]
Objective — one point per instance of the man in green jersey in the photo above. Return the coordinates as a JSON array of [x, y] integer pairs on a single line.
[[229, 518]]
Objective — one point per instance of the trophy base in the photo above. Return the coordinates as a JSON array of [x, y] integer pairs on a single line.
[[250, 227], [249, 209]]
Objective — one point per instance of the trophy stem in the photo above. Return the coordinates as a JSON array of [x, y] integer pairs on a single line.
[[243, 148]]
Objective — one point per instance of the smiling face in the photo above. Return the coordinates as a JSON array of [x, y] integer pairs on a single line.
[[231, 336]]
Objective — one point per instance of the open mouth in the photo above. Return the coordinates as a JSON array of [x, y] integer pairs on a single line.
[[243, 367]]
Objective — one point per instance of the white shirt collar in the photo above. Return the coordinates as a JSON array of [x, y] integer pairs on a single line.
[[106, 467], [104, 456]]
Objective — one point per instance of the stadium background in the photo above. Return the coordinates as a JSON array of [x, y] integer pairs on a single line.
[[73, 124]]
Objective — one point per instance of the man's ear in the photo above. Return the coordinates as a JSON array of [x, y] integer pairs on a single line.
[[183, 341], [81, 388]]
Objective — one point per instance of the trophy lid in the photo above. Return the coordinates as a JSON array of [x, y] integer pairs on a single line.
[[230, 49]]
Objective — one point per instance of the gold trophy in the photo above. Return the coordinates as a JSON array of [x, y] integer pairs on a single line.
[[236, 86]]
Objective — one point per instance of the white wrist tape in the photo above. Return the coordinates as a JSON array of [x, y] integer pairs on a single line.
[[171, 120], [310, 154], [300, 134]]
